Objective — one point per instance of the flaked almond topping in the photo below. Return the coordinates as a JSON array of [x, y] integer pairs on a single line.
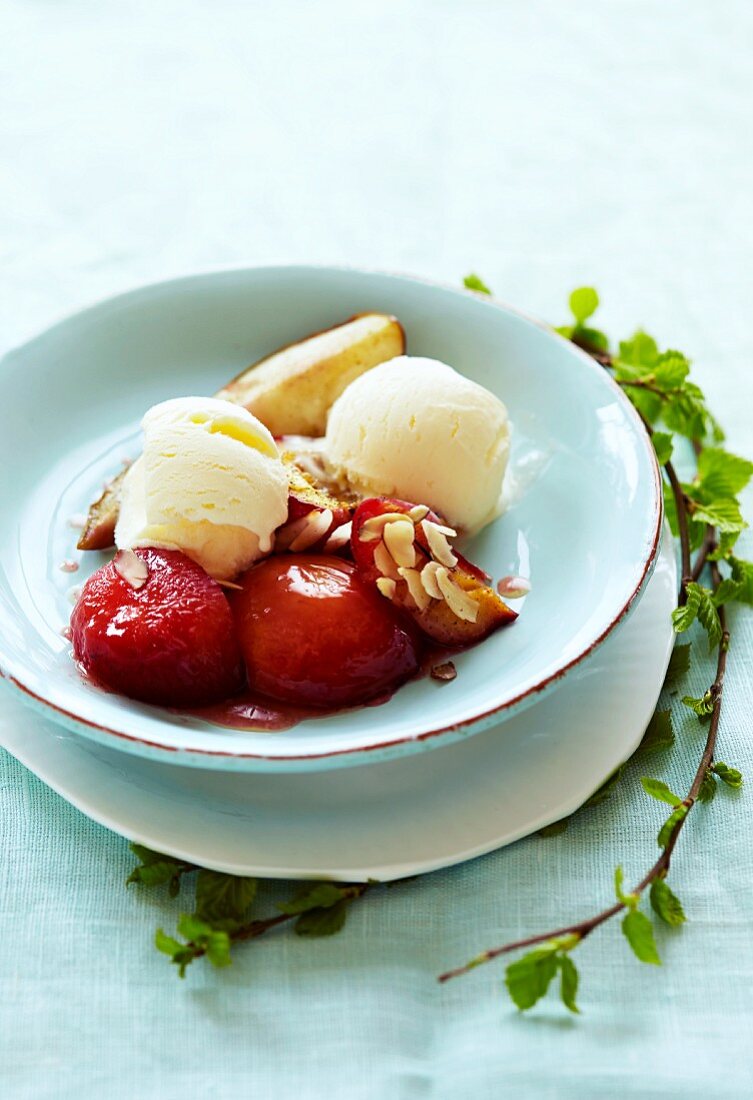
[[412, 578], [131, 568], [398, 537], [438, 544], [68, 566], [340, 537], [459, 602], [429, 580], [419, 512], [387, 587], [384, 561], [514, 588], [368, 536], [317, 525], [287, 534], [446, 671], [377, 523]]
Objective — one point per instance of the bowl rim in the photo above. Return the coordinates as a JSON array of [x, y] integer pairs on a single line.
[[382, 749]]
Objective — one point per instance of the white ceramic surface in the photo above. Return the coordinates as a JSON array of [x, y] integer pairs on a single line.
[[583, 521], [388, 820]]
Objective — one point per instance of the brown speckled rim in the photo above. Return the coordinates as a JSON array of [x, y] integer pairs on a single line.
[[382, 749]]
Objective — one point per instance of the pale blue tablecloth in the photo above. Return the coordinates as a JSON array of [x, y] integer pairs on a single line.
[[542, 144]]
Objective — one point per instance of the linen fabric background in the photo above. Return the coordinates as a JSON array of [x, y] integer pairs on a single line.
[[544, 145]]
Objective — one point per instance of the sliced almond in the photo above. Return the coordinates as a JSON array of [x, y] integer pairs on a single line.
[[287, 534], [384, 561], [459, 602], [429, 580], [131, 568], [231, 584], [387, 587], [438, 544], [317, 525], [398, 538], [377, 523], [368, 536], [412, 578], [419, 512], [340, 537]]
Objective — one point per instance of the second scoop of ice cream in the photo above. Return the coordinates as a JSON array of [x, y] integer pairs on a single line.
[[210, 482], [415, 428]]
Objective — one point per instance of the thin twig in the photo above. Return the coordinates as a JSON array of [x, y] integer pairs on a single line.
[[660, 868]]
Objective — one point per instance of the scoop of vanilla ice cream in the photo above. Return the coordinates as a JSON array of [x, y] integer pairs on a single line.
[[210, 482], [415, 428]]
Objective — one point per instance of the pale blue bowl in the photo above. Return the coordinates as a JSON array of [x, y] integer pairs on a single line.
[[585, 527]]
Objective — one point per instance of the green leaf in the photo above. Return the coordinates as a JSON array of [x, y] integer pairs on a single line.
[[583, 303], [590, 339], [322, 922], [726, 591], [665, 903], [723, 513], [659, 790], [321, 896], [742, 575], [218, 949], [703, 707], [166, 944], [671, 370], [640, 935], [223, 897], [731, 776], [639, 352], [722, 474], [662, 442], [568, 982], [155, 867], [528, 978], [659, 733], [699, 605], [193, 928], [669, 825], [684, 617], [707, 790], [630, 900], [473, 282]]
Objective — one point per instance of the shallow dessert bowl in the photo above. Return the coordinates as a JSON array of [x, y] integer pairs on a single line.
[[583, 521]]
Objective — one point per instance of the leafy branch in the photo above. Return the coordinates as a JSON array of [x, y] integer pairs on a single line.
[[705, 515], [222, 912]]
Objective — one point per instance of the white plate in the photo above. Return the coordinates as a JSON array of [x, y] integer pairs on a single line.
[[388, 820], [585, 527]]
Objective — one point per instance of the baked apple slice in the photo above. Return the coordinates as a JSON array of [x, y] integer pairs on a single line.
[[404, 550], [293, 390]]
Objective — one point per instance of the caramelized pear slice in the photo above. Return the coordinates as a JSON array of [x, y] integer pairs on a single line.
[[99, 531], [293, 389]]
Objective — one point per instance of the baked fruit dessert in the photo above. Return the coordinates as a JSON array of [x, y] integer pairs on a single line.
[[293, 539], [151, 624]]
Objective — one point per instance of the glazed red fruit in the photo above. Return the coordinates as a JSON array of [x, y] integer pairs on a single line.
[[314, 633], [170, 642]]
